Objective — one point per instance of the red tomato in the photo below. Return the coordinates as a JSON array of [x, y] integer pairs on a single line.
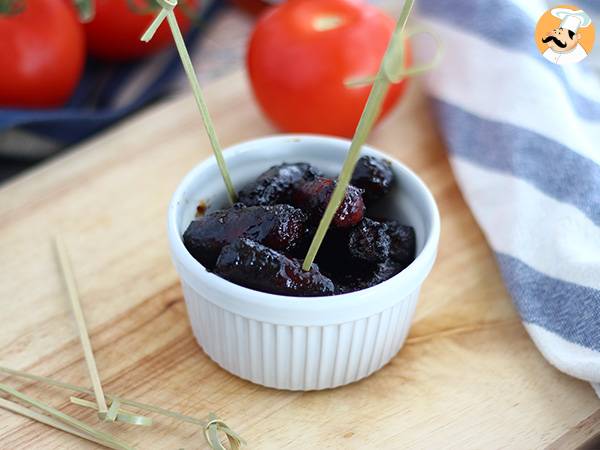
[[42, 52], [114, 32], [302, 52]]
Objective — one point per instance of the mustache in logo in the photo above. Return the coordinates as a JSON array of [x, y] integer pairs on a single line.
[[556, 41]]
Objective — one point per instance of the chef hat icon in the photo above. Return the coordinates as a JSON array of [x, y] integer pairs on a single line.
[[572, 20]]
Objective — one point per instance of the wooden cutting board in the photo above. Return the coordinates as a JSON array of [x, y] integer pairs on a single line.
[[468, 376]]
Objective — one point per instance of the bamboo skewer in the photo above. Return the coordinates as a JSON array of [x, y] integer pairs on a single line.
[[167, 13], [214, 424], [54, 423], [70, 283], [118, 414], [66, 419], [81, 390], [392, 62]]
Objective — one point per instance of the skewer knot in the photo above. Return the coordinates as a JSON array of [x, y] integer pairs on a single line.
[[167, 9], [211, 429], [169, 5]]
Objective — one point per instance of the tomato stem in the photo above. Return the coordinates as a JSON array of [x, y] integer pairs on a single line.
[[85, 9], [151, 6], [326, 23], [11, 7]]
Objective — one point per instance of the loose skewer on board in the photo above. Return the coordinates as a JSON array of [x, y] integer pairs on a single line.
[[71, 285]]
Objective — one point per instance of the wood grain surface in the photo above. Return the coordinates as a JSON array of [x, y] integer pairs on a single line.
[[468, 376]]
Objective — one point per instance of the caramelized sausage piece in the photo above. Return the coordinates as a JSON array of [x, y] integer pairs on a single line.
[[374, 176], [370, 276], [369, 241], [313, 197], [403, 242], [276, 184], [280, 227], [255, 266]]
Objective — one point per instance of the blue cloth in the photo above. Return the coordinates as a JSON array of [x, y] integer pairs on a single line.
[[92, 106], [523, 138]]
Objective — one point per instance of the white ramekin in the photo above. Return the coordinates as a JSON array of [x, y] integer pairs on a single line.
[[291, 342]]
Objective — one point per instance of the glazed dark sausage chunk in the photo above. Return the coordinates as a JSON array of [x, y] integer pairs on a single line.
[[280, 227], [403, 242], [369, 241], [256, 266], [275, 185], [313, 197], [370, 276], [374, 176]]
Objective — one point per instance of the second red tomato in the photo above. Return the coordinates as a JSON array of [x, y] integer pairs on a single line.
[[302, 53], [114, 32]]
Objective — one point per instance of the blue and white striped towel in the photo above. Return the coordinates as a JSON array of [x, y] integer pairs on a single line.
[[524, 142]]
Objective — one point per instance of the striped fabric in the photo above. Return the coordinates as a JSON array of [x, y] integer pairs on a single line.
[[524, 142]]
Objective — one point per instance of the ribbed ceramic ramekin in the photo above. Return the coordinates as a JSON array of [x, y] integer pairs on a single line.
[[292, 342]]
